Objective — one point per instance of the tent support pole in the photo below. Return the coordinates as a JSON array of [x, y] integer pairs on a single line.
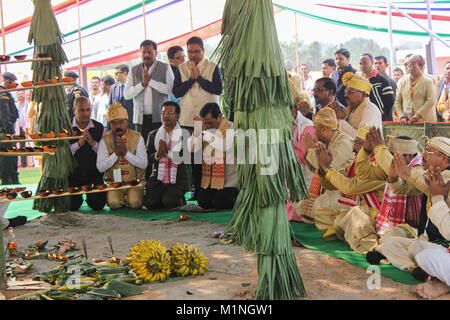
[[3, 32], [393, 58], [80, 67], [143, 16], [433, 55], [190, 16], [297, 54]]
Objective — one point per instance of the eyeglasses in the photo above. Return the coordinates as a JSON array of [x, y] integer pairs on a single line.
[[118, 72], [350, 91], [319, 89], [179, 58], [194, 51]]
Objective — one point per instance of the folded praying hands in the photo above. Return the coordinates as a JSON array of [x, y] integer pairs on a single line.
[[435, 182]]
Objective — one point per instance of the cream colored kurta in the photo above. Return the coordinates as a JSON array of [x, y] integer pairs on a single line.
[[194, 100], [366, 113], [423, 98]]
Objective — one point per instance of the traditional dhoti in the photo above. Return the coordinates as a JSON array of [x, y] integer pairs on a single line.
[[401, 246], [133, 198], [356, 226], [436, 263]]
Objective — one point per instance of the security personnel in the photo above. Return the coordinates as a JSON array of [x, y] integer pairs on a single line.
[[74, 92], [8, 117]]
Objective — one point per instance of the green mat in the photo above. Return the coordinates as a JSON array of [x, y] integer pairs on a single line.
[[306, 234]]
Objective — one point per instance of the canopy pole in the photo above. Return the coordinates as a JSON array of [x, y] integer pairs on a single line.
[[80, 67], [190, 16], [3, 32], [143, 16], [393, 58], [433, 55], [297, 54]]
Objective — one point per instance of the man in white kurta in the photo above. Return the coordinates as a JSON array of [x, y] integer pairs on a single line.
[[360, 111]]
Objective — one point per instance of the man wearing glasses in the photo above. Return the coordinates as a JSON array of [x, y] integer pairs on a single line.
[[198, 81], [359, 111], [416, 94], [117, 89], [325, 93], [176, 57]]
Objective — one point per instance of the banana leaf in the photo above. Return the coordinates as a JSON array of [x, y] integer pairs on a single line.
[[53, 115], [256, 82]]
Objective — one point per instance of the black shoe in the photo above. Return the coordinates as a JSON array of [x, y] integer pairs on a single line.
[[17, 221], [419, 274], [374, 257]]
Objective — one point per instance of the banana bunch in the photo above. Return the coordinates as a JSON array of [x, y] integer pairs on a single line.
[[150, 260], [186, 260]]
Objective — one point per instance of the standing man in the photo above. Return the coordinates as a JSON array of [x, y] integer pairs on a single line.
[[342, 59], [398, 74], [416, 94], [149, 84], [117, 89], [307, 82], [443, 94], [176, 57], [8, 117], [328, 67], [122, 155], [101, 103], [95, 89], [22, 110], [381, 94], [73, 92], [85, 153], [381, 65], [197, 81]]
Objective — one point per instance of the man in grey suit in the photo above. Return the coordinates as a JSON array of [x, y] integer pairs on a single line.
[[149, 84], [117, 89]]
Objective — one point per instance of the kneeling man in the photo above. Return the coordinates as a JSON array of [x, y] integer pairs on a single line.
[[85, 153], [169, 180], [122, 154], [219, 179]]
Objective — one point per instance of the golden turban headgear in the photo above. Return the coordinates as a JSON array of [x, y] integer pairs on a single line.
[[326, 117], [356, 81], [116, 111]]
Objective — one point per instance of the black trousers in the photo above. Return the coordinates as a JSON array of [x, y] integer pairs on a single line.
[[147, 126], [167, 196], [23, 159], [95, 201], [218, 199], [8, 168], [195, 169]]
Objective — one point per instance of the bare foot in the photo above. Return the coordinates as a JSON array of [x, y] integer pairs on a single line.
[[432, 289]]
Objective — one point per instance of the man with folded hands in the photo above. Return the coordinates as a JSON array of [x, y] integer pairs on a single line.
[[85, 153], [122, 155]]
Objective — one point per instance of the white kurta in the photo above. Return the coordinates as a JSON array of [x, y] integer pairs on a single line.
[[366, 113]]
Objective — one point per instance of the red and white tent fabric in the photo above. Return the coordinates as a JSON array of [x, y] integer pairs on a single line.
[[107, 32]]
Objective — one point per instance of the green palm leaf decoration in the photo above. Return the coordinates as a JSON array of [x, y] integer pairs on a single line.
[[45, 33], [256, 81]]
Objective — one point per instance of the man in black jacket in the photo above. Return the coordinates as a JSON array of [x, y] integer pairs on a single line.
[[85, 153], [169, 180], [8, 117], [342, 59], [73, 92]]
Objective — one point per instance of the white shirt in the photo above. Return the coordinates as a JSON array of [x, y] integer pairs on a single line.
[[105, 160], [130, 91]]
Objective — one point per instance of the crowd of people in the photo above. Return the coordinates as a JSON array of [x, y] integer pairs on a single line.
[[161, 124]]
